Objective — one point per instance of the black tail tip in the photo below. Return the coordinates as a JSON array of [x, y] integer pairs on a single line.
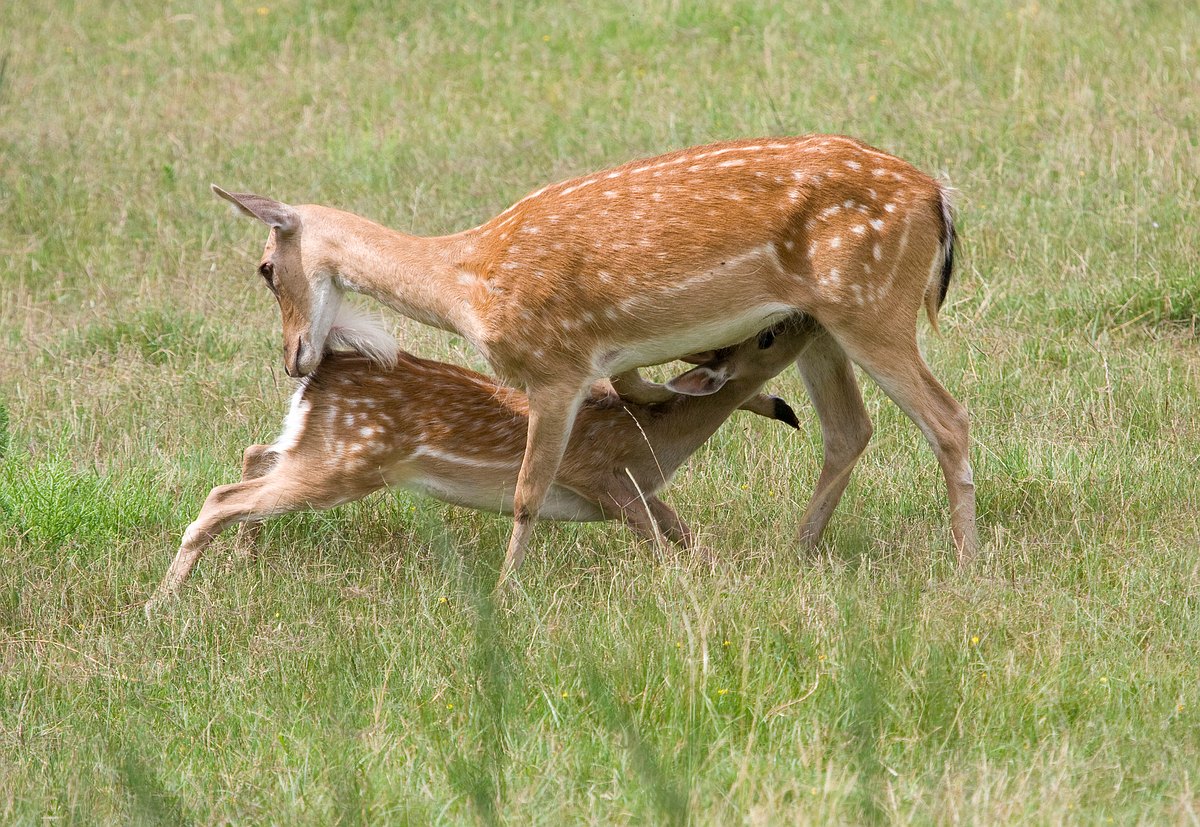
[[784, 413]]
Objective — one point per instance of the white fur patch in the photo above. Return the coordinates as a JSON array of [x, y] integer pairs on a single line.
[[293, 423], [363, 333]]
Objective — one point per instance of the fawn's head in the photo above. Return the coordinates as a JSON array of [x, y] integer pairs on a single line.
[[749, 363], [305, 289]]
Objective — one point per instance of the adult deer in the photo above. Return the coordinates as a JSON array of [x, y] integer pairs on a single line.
[[389, 419], [654, 259]]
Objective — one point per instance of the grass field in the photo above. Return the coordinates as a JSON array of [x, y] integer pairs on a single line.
[[356, 670]]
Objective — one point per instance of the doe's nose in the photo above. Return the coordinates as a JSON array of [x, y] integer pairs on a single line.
[[292, 366]]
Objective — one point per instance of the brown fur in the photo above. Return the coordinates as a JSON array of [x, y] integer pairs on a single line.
[[423, 424], [646, 262]]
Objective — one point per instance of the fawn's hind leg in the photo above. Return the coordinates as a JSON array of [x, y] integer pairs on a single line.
[[647, 516]]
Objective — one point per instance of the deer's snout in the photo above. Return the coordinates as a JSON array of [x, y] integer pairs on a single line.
[[294, 361]]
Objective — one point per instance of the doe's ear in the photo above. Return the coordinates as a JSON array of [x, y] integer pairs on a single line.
[[701, 381], [273, 213]]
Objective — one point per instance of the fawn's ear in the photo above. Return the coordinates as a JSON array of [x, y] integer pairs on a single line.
[[273, 213], [784, 413], [700, 381]]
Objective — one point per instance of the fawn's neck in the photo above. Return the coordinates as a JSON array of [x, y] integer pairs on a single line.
[[686, 422]]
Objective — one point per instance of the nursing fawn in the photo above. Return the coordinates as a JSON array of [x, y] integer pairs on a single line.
[[643, 263], [359, 424]]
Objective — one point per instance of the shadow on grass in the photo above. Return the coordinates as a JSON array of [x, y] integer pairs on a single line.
[[479, 772], [478, 769], [669, 797], [884, 705], [150, 801]]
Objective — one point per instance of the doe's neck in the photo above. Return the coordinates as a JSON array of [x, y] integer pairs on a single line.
[[416, 276]]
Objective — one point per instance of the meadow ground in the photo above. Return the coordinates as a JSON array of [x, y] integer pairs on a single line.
[[356, 672]]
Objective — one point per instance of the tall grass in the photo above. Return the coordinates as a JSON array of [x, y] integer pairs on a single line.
[[356, 671]]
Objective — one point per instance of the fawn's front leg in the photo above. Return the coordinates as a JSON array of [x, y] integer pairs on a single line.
[[257, 461], [224, 505]]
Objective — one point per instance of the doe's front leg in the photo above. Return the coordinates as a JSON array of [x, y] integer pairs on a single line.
[[551, 417]]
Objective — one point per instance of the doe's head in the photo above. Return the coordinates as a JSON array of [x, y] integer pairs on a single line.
[[303, 285]]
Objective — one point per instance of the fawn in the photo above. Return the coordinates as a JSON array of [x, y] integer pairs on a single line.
[[645, 262], [359, 423]]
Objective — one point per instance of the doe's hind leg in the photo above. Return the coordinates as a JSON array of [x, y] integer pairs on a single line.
[[845, 428], [905, 377]]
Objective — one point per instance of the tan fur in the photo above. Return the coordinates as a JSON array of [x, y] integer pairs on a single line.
[[460, 437], [643, 263]]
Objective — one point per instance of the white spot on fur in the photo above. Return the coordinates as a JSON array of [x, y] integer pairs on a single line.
[[735, 162], [889, 207], [877, 252], [586, 183], [858, 229], [877, 223], [835, 242], [853, 164]]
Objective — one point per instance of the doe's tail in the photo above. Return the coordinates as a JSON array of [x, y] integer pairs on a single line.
[[935, 293]]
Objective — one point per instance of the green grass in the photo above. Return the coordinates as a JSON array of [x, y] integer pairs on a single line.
[[356, 671]]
